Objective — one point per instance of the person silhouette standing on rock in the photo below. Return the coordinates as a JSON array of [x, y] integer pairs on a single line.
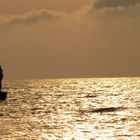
[[1, 77]]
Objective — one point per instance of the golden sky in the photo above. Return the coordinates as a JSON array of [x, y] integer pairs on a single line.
[[82, 38]]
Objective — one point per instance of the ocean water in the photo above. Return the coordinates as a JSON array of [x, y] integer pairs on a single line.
[[71, 109]]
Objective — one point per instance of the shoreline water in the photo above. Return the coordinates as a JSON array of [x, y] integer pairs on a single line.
[[85, 108]]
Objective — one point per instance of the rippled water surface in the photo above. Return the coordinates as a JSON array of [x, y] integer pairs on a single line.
[[71, 109]]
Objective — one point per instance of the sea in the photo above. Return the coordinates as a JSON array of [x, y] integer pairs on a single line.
[[71, 109]]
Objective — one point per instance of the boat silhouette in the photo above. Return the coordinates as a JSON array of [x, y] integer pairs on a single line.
[[3, 95]]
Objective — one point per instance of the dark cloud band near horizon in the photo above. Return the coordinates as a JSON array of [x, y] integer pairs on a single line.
[[114, 3]]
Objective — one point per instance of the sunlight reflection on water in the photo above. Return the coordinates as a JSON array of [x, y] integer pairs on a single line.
[[71, 109]]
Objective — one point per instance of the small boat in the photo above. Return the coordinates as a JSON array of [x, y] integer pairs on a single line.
[[3, 95]]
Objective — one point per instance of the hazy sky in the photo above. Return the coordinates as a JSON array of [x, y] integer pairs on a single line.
[[69, 38]]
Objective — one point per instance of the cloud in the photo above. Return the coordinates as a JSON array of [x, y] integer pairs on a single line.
[[108, 8], [114, 3], [31, 17], [96, 8], [111, 8]]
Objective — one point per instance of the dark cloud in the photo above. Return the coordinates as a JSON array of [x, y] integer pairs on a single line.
[[94, 7], [114, 3]]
